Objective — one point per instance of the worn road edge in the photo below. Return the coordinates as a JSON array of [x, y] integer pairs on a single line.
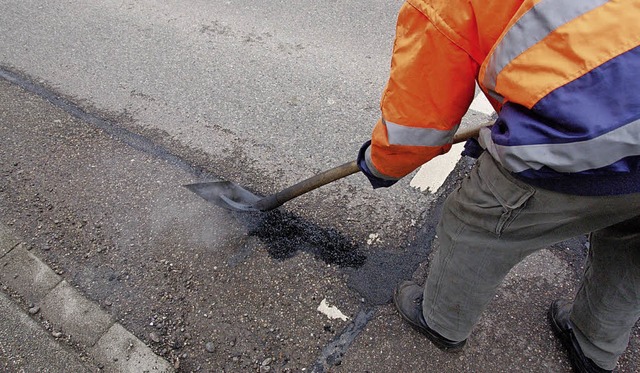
[[70, 313]]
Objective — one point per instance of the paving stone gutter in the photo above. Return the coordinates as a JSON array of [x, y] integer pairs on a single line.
[[69, 314]]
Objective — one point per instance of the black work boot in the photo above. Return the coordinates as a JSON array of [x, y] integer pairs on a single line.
[[558, 315], [408, 301]]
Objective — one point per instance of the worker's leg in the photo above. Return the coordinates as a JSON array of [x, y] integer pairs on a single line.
[[490, 224], [607, 305]]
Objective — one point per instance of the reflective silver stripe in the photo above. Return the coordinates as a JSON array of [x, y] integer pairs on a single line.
[[532, 27], [412, 136], [495, 95], [579, 156]]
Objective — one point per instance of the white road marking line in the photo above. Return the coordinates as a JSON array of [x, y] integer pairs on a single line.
[[432, 175], [331, 312], [481, 104]]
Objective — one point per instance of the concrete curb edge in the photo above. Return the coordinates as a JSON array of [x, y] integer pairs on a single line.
[[72, 314]]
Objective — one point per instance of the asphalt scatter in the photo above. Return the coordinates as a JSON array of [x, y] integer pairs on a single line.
[[285, 234]]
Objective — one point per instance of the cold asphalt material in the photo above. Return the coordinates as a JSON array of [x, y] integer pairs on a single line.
[[95, 246]]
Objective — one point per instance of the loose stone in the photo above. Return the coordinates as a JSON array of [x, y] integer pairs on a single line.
[[210, 347]]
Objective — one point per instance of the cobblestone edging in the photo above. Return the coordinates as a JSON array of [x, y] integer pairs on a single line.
[[70, 313]]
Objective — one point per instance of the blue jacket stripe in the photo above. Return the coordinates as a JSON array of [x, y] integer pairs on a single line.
[[598, 102], [573, 157], [582, 138]]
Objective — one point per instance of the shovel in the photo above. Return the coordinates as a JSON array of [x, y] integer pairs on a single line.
[[234, 197]]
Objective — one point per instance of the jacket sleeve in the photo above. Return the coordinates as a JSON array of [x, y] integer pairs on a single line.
[[431, 85]]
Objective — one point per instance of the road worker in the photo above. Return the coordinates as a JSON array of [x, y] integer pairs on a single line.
[[562, 159]]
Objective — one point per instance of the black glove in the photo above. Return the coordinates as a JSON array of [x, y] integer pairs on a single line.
[[375, 181], [472, 148]]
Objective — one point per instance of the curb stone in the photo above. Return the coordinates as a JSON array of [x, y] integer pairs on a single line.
[[72, 314], [25, 274], [25, 346]]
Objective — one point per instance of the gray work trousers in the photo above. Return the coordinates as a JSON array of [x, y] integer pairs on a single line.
[[493, 221]]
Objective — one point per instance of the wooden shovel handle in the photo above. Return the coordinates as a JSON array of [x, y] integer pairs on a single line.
[[270, 202]]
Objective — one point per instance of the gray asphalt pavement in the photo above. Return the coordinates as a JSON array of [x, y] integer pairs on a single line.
[[255, 77], [108, 108]]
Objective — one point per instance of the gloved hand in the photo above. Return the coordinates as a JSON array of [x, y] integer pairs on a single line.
[[472, 148], [375, 181]]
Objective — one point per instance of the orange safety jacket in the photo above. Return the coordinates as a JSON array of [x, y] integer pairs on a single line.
[[563, 75]]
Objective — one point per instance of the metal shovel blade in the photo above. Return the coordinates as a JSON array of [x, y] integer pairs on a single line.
[[226, 194]]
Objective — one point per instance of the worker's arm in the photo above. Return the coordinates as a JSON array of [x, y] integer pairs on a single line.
[[430, 87]]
